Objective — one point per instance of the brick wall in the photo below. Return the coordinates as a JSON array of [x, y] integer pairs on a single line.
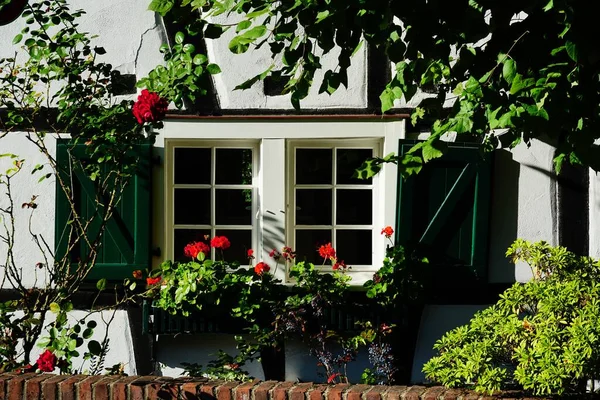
[[33, 386]]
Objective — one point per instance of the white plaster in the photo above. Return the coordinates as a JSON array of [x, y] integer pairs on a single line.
[[435, 321], [24, 186], [594, 228]]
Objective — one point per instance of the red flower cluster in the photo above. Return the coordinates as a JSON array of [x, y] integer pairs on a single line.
[[193, 249], [46, 361], [339, 265], [261, 268], [149, 107], [326, 251], [387, 231], [251, 254], [152, 281], [275, 255], [220, 242], [288, 253]]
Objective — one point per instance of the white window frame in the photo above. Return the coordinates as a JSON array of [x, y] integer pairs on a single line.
[[273, 139], [170, 146]]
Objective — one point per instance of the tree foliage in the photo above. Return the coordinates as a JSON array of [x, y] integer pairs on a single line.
[[501, 71]]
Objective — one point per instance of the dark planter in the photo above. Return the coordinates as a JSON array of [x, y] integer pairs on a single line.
[[11, 11]]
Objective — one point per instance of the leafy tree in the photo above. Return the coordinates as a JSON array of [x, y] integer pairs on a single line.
[[503, 72]]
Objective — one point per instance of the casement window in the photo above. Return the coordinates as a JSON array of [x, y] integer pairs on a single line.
[[329, 205], [211, 192], [266, 185]]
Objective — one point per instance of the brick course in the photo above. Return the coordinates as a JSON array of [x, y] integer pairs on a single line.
[[33, 386]]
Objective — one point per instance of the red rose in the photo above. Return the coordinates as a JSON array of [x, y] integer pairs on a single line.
[[193, 249], [220, 242], [326, 251], [137, 274], [250, 254], [46, 361], [152, 281], [387, 231], [261, 268], [149, 107]]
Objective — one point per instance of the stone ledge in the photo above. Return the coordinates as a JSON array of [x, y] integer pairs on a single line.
[[33, 386]]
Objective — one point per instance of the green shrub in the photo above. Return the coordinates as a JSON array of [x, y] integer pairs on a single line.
[[541, 336]]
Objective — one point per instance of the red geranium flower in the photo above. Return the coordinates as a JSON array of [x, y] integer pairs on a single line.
[[220, 242], [261, 268], [193, 249], [149, 107], [152, 281], [250, 253], [288, 253], [46, 361], [339, 265], [326, 251], [387, 231], [331, 378], [274, 254], [137, 274]]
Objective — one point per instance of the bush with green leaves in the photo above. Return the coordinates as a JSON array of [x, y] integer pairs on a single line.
[[542, 336]]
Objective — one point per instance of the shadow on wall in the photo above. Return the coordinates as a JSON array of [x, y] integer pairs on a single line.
[[504, 216]]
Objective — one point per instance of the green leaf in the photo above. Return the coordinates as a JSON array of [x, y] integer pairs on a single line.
[[179, 37], [101, 284], [94, 347], [433, 150], [255, 33], [161, 6], [87, 333], [213, 69], [245, 24], [55, 308], [572, 50], [509, 70], [200, 59], [17, 38]]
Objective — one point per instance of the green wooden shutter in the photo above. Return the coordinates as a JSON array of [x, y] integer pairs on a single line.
[[444, 210], [125, 245]]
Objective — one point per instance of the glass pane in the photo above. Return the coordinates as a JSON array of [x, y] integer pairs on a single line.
[[192, 165], [354, 207], [241, 241], [348, 160], [192, 206], [184, 236], [314, 207], [314, 166], [233, 166], [355, 247], [233, 206], [308, 243]]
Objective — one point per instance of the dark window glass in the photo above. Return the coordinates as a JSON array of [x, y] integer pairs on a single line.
[[313, 207], [355, 247], [308, 243], [192, 166], [233, 166], [241, 241], [354, 207], [233, 206], [314, 166], [184, 236], [192, 206], [348, 160]]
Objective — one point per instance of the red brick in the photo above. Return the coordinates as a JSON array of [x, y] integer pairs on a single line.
[[356, 392], [433, 393], [84, 388], [3, 383], [318, 392], [414, 393], [335, 391], [453, 394], [225, 391], [470, 395], [395, 392], [50, 387], [164, 388], [33, 387], [192, 390], [210, 389], [376, 392], [137, 387], [15, 386], [244, 391], [261, 391], [119, 388], [279, 392], [299, 391], [67, 389], [101, 389]]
